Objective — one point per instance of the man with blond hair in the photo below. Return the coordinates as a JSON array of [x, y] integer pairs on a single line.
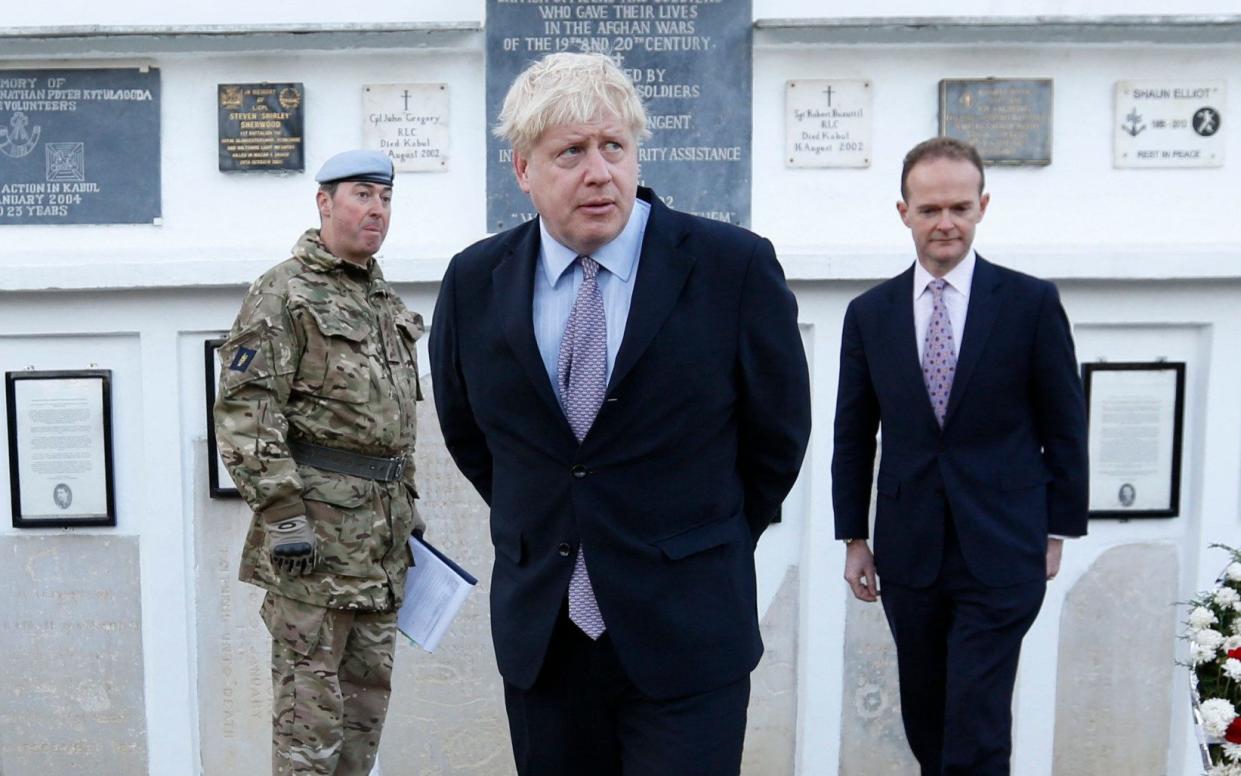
[[625, 385]]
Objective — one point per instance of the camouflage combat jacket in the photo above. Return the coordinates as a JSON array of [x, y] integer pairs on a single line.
[[323, 352]]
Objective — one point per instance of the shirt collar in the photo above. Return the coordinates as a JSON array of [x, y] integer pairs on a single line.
[[959, 278], [617, 257]]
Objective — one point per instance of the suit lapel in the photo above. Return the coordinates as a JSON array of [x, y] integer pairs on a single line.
[[662, 271], [903, 343], [984, 305], [512, 287]]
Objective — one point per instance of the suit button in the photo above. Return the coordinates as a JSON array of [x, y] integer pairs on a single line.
[[578, 471], [564, 549]]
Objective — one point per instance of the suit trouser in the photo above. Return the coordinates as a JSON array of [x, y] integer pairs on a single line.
[[583, 717], [957, 645], [331, 679]]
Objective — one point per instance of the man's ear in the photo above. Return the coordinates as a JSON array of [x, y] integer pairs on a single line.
[[324, 203], [902, 208], [520, 169], [982, 205]]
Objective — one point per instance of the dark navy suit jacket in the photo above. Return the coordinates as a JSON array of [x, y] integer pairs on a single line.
[[1010, 461], [698, 441]]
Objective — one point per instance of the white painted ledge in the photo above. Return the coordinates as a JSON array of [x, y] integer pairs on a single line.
[[83, 40], [950, 30], [1120, 263], [87, 40]]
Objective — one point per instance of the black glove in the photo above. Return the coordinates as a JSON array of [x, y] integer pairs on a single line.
[[292, 543]]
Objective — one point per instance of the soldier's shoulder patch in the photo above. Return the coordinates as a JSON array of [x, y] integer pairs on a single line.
[[242, 359]]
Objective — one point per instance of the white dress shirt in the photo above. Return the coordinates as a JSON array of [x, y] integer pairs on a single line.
[[956, 299]]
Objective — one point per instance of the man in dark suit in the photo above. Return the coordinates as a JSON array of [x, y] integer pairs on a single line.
[[626, 387], [970, 370]]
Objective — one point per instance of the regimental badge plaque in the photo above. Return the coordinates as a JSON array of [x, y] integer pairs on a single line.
[[1007, 119], [261, 127], [1168, 124]]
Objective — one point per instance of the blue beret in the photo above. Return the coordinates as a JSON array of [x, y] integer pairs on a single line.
[[369, 166]]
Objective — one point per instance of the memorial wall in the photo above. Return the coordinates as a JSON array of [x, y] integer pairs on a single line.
[[145, 179]]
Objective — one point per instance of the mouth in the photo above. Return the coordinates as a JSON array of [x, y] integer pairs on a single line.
[[596, 207]]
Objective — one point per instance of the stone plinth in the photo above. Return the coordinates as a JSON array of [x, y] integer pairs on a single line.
[[771, 729], [71, 703], [234, 649], [1114, 682], [872, 736]]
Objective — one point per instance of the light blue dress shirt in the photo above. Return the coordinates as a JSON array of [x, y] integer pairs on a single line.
[[555, 288]]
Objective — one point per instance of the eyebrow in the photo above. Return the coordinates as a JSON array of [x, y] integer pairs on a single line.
[[368, 186]]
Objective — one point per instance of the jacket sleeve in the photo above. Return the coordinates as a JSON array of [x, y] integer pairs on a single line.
[[257, 365], [1060, 408], [462, 435], [857, 422], [774, 402]]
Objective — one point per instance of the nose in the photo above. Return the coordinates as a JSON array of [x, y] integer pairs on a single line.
[[597, 170], [944, 224]]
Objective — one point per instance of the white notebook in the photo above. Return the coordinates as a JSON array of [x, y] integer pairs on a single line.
[[435, 588]]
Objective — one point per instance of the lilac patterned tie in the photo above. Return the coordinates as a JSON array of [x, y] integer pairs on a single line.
[[581, 375], [939, 361]]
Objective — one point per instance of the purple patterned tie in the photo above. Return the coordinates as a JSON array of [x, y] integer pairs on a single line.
[[581, 375], [939, 360]]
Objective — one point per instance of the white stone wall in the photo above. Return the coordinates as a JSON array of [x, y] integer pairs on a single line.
[[1149, 264]]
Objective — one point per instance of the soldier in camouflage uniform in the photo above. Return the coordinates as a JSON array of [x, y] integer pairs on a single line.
[[315, 422]]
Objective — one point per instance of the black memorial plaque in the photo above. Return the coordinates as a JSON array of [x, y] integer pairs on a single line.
[[1007, 119], [79, 146], [691, 63], [261, 127]]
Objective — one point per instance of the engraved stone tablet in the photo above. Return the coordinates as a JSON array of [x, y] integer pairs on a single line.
[[71, 636], [447, 710], [827, 123], [1007, 119], [1112, 690], [691, 64], [261, 127], [79, 146], [1169, 124], [872, 737], [234, 649], [408, 122]]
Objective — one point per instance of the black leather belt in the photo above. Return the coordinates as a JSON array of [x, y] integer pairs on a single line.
[[331, 459]]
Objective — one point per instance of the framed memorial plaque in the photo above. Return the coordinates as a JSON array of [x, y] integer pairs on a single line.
[[1007, 119], [261, 127], [220, 482], [60, 448], [1135, 415]]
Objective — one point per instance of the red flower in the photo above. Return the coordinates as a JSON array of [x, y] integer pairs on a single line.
[[1233, 733], [1235, 653]]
